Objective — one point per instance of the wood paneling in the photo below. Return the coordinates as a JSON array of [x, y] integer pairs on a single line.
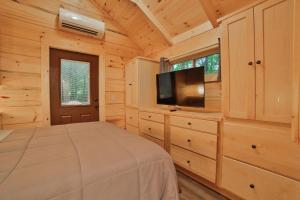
[[174, 18], [23, 23], [138, 27]]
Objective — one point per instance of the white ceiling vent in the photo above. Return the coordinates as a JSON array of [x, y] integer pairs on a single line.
[[76, 23]]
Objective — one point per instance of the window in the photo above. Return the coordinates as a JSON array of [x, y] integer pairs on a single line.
[[75, 83], [211, 64]]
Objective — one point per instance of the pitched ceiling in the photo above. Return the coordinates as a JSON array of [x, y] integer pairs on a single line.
[[157, 24]]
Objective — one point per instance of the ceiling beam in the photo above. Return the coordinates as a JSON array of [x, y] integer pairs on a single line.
[[210, 12], [153, 19], [206, 26]]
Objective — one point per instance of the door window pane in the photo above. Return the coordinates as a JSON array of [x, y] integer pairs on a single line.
[[75, 82]]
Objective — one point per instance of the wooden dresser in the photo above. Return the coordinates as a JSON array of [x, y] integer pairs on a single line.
[[190, 138]]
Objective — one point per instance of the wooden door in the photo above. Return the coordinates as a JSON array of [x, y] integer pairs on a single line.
[[131, 73], [73, 87], [273, 49], [238, 69]]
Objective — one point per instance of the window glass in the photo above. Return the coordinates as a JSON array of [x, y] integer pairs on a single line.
[[75, 82], [182, 65]]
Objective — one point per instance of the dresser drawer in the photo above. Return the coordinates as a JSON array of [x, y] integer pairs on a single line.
[[200, 165], [132, 129], [198, 142], [250, 182], [195, 124], [153, 129], [152, 116], [155, 140], [132, 117], [263, 145]]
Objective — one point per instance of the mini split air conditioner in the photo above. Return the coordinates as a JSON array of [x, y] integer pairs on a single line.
[[76, 23]]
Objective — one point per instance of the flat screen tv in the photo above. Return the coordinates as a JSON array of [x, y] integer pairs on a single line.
[[182, 88]]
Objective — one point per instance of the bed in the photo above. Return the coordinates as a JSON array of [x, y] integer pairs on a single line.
[[84, 161]]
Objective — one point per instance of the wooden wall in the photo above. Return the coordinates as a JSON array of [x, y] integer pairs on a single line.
[[198, 43], [23, 24]]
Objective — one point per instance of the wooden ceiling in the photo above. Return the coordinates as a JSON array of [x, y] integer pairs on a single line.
[[177, 16], [155, 25]]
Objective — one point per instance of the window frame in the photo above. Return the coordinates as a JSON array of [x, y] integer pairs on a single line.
[[194, 58]]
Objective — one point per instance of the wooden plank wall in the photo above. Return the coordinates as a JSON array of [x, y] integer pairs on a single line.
[[23, 23], [213, 95]]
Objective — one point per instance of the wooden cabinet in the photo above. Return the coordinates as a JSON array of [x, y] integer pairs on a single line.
[[257, 62], [198, 164], [250, 182], [195, 124], [238, 68], [140, 78], [194, 145], [263, 145], [131, 89], [152, 127], [198, 142]]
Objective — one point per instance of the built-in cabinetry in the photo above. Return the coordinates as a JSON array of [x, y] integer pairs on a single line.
[[259, 158], [257, 62], [194, 145], [140, 78], [190, 138], [152, 127]]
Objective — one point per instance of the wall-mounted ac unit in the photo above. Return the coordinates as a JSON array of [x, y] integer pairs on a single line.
[[76, 23]]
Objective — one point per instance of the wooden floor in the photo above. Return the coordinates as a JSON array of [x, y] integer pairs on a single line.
[[191, 190]]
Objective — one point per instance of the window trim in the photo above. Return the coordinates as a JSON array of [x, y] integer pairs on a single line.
[[195, 57]]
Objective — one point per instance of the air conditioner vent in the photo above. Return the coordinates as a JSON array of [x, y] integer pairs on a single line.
[[76, 23], [78, 28]]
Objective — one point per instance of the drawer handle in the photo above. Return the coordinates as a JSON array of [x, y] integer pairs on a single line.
[[188, 140], [253, 146], [188, 162], [252, 186], [189, 123], [149, 116]]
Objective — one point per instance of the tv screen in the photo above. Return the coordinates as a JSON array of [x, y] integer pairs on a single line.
[[183, 88], [165, 88]]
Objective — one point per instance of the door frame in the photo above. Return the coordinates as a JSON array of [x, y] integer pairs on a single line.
[[68, 44]]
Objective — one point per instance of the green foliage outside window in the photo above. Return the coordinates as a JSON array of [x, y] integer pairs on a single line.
[[210, 63], [183, 65]]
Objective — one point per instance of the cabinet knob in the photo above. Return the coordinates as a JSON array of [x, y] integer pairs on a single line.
[[253, 146], [149, 116], [188, 140], [188, 161], [252, 186], [258, 62], [250, 63], [189, 123], [149, 129], [130, 117], [130, 84]]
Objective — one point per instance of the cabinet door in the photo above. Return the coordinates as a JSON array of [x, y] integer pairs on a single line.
[[131, 73], [128, 78], [238, 71], [273, 49]]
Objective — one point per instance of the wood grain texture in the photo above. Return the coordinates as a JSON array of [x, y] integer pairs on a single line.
[[25, 22]]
